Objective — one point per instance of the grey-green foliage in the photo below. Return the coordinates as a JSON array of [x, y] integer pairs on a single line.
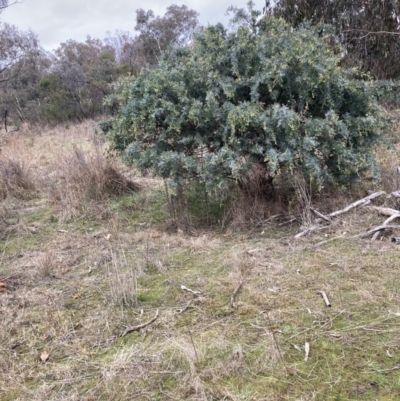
[[263, 94]]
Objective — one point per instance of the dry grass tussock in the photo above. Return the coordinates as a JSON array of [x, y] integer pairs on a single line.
[[67, 166], [17, 179], [83, 180], [235, 309]]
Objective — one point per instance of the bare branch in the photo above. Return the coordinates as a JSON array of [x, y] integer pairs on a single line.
[[234, 293], [140, 326]]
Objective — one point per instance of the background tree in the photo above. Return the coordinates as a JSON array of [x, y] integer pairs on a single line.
[[123, 45], [20, 95], [368, 29], [262, 95], [156, 34], [14, 46], [81, 74], [18, 50]]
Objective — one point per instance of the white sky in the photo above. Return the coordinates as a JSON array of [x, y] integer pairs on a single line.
[[56, 21]]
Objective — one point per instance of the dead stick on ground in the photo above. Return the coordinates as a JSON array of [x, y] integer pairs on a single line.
[[361, 202], [391, 218], [184, 288], [140, 326], [306, 351], [378, 228], [309, 230], [234, 293], [322, 293], [386, 211], [270, 327], [318, 244], [185, 308], [322, 216], [191, 339]]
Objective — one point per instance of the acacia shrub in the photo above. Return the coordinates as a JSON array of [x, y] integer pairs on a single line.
[[263, 94]]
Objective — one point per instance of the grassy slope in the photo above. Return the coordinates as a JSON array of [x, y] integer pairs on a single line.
[[70, 273]]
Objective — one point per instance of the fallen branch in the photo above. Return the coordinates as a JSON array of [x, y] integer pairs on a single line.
[[386, 211], [378, 228], [309, 230], [326, 300], [375, 236], [391, 218], [320, 215], [140, 326], [361, 202], [234, 293]]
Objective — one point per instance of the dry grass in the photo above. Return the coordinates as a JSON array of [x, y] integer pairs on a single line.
[[82, 181], [68, 167], [16, 179], [72, 287], [123, 281]]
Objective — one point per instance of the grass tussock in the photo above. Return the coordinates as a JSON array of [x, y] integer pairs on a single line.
[[17, 179], [123, 281], [84, 180]]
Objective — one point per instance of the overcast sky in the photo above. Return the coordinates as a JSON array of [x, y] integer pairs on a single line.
[[56, 21]]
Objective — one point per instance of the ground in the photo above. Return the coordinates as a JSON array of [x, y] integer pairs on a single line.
[[78, 269]]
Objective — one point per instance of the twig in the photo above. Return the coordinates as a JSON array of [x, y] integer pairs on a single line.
[[306, 351], [140, 326], [186, 307], [189, 290], [322, 293], [276, 343], [318, 244], [191, 339], [234, 293], [309, 230]]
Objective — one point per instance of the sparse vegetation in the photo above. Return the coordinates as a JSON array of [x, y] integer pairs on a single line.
[[69, 288], [203, 281]]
